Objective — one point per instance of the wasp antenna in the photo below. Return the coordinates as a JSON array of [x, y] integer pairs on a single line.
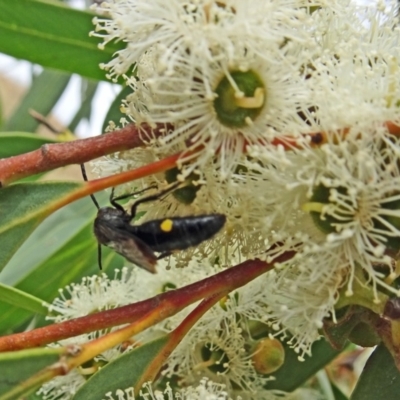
[[95, 201], [99, 256], [83, 169], [125, 196], [113, 200], [85, 178]]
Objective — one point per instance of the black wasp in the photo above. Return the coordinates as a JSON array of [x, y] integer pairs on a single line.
[[138, 243]]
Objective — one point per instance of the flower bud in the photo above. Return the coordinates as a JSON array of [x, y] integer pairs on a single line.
[[268, 356]]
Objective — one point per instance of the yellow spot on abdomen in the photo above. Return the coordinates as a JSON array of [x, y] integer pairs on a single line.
[[166, 225]]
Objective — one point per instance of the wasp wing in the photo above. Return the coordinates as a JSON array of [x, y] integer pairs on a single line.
[[126, 244]]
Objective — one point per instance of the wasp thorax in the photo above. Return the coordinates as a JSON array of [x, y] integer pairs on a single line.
[[112, 214], [240, 99]]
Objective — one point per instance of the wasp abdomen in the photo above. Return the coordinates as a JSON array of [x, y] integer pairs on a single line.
[[178, 233]]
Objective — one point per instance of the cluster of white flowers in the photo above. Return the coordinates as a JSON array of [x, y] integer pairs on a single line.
[[197, 61], [215, 359], [287, 115], [206, 390]]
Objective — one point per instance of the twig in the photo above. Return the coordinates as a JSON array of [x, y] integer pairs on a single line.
[[51, 156], [175, 337], [226, 280]]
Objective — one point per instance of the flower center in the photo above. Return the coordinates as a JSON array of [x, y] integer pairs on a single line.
[[187, 194], [215, 360], [334, 209], [328, 215], [240, 99]]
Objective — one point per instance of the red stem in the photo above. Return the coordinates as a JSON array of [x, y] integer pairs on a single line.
[[115, 180], [226, 280], [175, 338], [51, 156]]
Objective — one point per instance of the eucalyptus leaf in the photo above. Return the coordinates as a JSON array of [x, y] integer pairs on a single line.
[[53, 35], [70, 263], [60, 251], [22, 207], [43, 94], [17, 366], [114, 112], [294, 373], [85, 109], [14, 143], [380, 378], [122, 373], [339, 395], [20, 299], [52, 235]]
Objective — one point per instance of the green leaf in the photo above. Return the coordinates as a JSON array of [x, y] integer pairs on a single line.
[[22, 207], [114, 112], [53, 234], [339, 395], [62, 250], [353, 324], [122, 373], [53, 35], [1, 113], [33, 396], [380, 378], [85, 110], [43, 94], [76, 259], [294, 373], [17, 366], [21, 299], [14, 143]]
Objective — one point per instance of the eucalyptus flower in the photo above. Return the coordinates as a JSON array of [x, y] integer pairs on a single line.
[[225, 75], [282, 113]]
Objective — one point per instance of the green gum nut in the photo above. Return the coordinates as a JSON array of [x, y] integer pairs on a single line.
[[238, 109], [268, 356], [187, 194]]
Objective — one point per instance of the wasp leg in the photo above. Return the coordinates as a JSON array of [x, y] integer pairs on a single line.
[[113, 200], [99, 256], [152, 197], [165, 254]]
